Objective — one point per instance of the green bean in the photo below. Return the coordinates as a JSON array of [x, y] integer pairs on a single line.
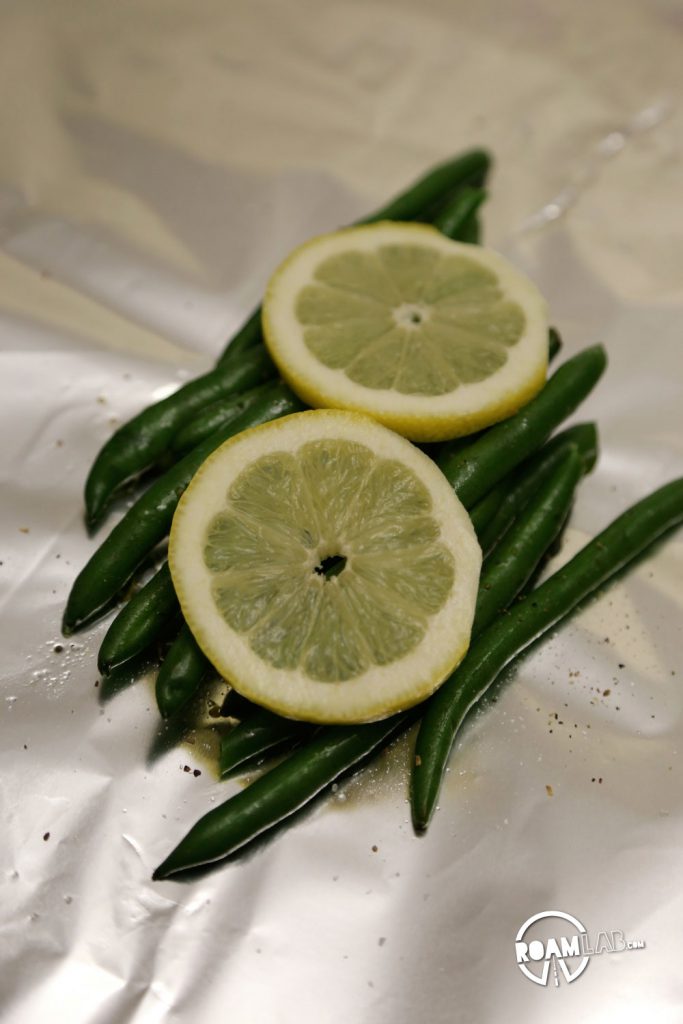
[[212, 418], [472, 472], [249, 334], [236, 706], [456, 213], [279, 793], [258, 734], [471, 231], [307, 771], [469, 169], [141, 621], [147, 523], [554, 343], [617, 545], [513, 562], [139, 444], [181, 674], [494, 514]]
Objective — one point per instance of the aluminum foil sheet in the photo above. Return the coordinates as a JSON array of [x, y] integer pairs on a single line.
[[157, 161]]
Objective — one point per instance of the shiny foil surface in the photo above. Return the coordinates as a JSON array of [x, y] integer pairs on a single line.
[[157, 161]]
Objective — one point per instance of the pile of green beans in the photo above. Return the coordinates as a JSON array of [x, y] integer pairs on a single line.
[[333, 750], [516, 480]]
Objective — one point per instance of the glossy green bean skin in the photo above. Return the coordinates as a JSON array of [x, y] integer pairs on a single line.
[[269, 799], [621, 542], [455, 215], [471, 231], [249, 334], [141, 621], [279, 793], [258, 734], [473, 471], [514, 560], [212, 418], [181, 674], [147, 523], [494, 514]]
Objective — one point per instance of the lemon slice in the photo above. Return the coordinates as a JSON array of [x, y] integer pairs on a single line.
[[433, 338], [326, 568]]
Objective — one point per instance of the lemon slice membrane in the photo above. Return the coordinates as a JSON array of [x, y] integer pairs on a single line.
[[326, 568], [433, 338]]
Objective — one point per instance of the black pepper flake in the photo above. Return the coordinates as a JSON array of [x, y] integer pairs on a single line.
[[58, 648], [196, 772], [46, 836], [186, 768], [374, 849]]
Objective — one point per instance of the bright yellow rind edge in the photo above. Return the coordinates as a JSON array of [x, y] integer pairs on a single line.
[[377, 712]]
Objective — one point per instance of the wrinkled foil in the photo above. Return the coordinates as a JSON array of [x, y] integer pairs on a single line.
[[157, 163]]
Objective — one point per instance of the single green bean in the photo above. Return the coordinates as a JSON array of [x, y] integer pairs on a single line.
[[617, 545], [279, 793], [140, 444], [471, 231], [182, 672], [212, 418], [258, 734], [458, 211], [147, 523], [248, 335], [513, 562], [472, 472], [236, 706], [494, 514], [141, 621]]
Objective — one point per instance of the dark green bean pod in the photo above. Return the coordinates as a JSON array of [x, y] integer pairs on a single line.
[[322, 759], [494, 514], [456, 214], [473, 471], [141, 621], [277, 794], [212, 418], [147, 523], [513, 562], [471, 231], [236, 706], [260, 733], [182, 672], [437, 185], [141, 443], [622, 541], [249, 334]]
